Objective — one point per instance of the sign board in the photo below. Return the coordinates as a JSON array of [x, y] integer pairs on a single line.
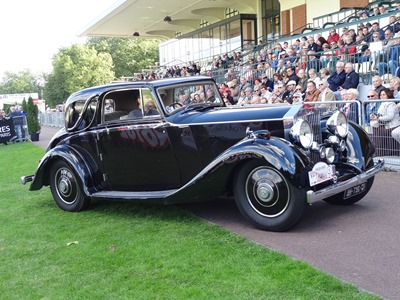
[[7, 131]]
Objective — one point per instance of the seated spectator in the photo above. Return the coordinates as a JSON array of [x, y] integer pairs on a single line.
[[376, 31], [291, 88], [338, 77], [388, 126], [312, 93], [377, 83], [312, 76], [394, 83], [269, 84], [350, 109], [324, 73], [392, 63], [302, 79], [326, 95], [268, 70], [313, 61], [292, 74], [297, 98], [227, 98], [372, 107], [277, 79], [352, 79]]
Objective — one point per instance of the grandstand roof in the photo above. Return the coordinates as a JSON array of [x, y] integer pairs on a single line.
[[149, 18]]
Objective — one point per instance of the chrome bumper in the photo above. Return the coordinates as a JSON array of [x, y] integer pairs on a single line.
[[314, 196]]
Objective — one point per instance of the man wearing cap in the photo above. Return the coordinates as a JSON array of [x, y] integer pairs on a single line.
[[269, 84], [291, 88]]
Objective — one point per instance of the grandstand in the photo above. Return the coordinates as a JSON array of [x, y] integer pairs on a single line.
[[298, 38]]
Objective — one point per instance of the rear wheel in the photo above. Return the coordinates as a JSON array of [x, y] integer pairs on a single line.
[[340, 198], [66, 188], [266, 198]]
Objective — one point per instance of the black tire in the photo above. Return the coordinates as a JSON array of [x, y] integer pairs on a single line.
[[339, 199], [66, 188], [266, 198]]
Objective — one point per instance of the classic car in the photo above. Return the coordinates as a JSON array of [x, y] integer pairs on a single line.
[[174, 141]]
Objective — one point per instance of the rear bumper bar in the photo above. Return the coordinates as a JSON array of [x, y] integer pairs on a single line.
[[26, 179], [314, 196]]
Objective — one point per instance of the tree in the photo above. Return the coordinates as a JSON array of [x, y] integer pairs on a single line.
[[21, 82], [32, 117], [75, 68], [130, 55]]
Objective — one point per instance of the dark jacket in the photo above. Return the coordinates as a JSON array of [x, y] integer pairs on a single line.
[[336, 80], [351, 81]]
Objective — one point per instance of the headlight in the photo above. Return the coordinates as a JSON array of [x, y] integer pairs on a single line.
[[301, 133], [338, 124]]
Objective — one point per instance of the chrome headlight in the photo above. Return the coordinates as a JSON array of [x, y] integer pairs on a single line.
[[301, 133], [338, 124]]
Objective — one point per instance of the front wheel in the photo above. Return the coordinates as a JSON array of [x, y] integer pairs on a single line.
[[66, 188], [266, 198]]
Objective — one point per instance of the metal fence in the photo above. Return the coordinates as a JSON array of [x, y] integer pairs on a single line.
[[55, 119]]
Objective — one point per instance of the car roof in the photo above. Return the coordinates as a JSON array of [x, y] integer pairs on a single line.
[[97, 90]]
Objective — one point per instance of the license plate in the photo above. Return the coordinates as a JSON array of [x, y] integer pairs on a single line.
[[321, 172], [355, 190]]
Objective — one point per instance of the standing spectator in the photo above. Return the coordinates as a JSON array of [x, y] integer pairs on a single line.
[[338, 77], [18, 121], [268, 70], [243, 84]]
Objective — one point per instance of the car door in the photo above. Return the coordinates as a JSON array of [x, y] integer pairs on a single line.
[[136, 153]]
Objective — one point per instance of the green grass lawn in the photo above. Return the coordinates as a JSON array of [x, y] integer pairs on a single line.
[[127, 251]]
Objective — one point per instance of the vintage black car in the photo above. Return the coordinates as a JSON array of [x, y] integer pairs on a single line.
[[173, 141]]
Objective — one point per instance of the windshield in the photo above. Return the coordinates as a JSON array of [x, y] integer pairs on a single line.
[[177, 97]]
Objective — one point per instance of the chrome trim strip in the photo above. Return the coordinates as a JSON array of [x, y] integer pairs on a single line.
[[334, 189]]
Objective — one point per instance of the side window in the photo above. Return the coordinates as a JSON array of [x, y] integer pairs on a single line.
[[73, 113], [89, 113]]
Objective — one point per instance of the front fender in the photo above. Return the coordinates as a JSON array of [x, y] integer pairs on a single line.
[[72, 157], [218, 175], [278, 152]]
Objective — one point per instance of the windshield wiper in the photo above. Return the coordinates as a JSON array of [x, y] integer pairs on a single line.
[[198, 107]]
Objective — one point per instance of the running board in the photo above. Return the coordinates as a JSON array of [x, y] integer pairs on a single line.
[[133, 195]]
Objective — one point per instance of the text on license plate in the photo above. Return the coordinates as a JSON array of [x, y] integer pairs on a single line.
[[355, 190]]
